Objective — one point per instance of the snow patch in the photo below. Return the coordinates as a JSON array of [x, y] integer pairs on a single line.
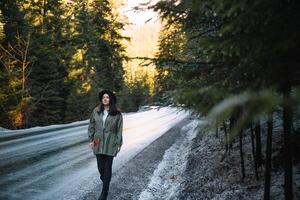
[[3, 129], [168, 176]]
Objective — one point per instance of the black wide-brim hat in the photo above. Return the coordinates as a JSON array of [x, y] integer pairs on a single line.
[[111, 95]]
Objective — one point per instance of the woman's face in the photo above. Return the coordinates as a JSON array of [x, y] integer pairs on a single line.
[[105, 100]]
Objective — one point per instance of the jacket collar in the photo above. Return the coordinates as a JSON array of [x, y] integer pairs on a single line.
[[98, 109]]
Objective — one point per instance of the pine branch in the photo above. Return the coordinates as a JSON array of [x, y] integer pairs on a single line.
[[172, 60]]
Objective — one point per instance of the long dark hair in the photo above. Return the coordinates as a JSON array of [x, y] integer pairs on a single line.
[[113, 110]]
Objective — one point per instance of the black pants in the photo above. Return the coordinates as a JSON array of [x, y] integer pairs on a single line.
[[104, 163]]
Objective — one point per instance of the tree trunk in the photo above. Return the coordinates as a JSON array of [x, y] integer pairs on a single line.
[[258, 143], [287, 123], [230, 137], [217, 130], [268, 168], [242, 154], [253, 151], [226, 136]]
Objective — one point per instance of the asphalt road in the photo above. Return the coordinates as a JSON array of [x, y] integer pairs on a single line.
[[57, 164]]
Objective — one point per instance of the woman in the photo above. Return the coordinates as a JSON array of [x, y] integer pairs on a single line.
[[105, 136]]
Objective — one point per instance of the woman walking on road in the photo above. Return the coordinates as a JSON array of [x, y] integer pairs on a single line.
[[105, 136]]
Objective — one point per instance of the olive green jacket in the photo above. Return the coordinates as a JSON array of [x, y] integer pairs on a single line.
[[110, 137]]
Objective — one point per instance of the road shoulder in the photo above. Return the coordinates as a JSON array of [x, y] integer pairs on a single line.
[[130, 181]]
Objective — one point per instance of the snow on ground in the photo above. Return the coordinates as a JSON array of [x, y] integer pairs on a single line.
[[212, 174], [166, 179], [41, 128], [141, 130], [4, 131], [208, 177]]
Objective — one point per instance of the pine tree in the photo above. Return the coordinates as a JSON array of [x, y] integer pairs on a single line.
[[233, 47], [48, 69], [14, 96], [98, 60]]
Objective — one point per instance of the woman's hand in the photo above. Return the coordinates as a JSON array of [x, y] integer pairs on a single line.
[[91, 144], [94, 143]]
